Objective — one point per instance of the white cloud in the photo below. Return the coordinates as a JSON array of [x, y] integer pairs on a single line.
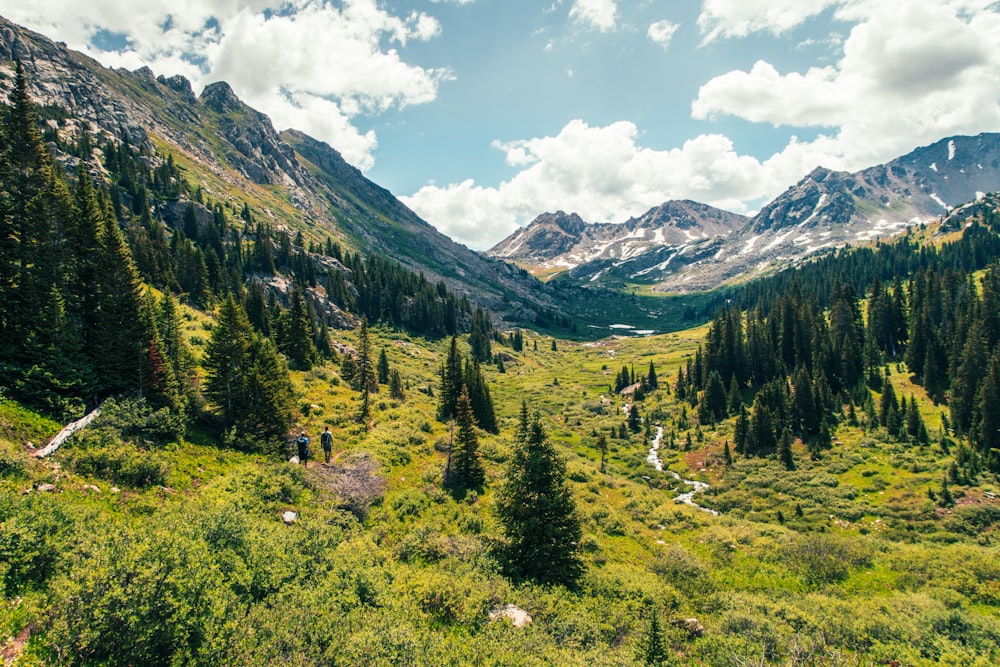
[[739, 18], [308, 63], [909, 74], [602, 173], [600, 14], [662, 32]]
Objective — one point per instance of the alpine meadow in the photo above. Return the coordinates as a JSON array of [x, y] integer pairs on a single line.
[[693, 438]]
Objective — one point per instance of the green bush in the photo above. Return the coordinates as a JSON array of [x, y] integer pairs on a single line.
[[123, 464]]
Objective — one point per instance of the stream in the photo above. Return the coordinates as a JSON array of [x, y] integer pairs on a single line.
[[687, 498]]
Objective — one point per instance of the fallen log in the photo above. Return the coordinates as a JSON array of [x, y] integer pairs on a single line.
[[67, 431]]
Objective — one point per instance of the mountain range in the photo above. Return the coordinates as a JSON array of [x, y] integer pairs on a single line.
[[685, 246], [300, 184], [295, 182]]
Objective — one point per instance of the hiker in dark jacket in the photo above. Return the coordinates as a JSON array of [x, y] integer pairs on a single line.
[[303, 442], [326, 439]]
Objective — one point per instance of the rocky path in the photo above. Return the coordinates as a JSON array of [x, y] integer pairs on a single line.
[[687, 498]]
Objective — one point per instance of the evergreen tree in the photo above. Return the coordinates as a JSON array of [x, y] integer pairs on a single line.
[[535, 508], [734, 398], [713, 400], [175, 351], [382, 367], [602, 446], [226, 356], [451, 382], [247, 378], [741, 433], [634, 424], [479, 396], [651, 378], [122, 337], [654, 652], [467, 472], [785, 450], [396, 386], [988, 436], [479, 337], [762, 439], [296, 341], [365, 377]]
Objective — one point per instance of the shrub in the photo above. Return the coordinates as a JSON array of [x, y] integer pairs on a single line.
[[122, 464]]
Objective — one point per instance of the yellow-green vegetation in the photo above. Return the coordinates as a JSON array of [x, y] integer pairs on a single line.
[[845, 560]]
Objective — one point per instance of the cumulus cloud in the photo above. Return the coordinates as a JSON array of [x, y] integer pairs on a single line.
[[908, 74], [921, 66], [739, 18], [662, 32], [602, 173], [599, 14], [306, 62]]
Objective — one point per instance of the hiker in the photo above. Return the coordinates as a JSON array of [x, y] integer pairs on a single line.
[[326, 439], [303, 442]]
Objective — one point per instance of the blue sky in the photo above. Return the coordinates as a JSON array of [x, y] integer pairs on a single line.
[[481, 114]]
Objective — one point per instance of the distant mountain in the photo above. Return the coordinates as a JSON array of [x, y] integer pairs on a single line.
[[826, 209], [565, 241], [233, 152]]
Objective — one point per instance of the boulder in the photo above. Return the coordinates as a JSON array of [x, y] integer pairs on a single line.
[[517, 616]]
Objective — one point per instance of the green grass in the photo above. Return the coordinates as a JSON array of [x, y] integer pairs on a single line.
[[414, 581]]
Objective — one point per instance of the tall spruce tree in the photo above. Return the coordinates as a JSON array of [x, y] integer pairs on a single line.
[[296, 341], [247, 379], [535, 508], [227, 355], [123, 336], [467, 473]]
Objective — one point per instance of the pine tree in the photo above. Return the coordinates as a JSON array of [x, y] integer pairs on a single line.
[[451, 382], [382, 368], [396, 386], [365, 376], [535, 508], [734, 399], [175, 351], [633, 418], [270, 393], [602, 446], [651, 378], [296, 340], [122, 335], [467, 472], [988, 436], [654, 652], [227, 355], [713, 400], [741, 434], [479, 396], [785, 450]]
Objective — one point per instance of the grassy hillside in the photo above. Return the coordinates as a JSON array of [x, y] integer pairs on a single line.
[[147, 552]]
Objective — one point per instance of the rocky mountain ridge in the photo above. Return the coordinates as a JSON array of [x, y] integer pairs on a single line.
[[297, 182], [826, 209]]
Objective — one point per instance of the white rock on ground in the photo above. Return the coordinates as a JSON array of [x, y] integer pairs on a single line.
[[517, 616]]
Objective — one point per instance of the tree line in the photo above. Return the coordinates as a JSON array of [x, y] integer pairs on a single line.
[[805, 344]]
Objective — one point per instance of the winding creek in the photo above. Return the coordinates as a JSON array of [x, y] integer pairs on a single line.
[[687, 498]]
